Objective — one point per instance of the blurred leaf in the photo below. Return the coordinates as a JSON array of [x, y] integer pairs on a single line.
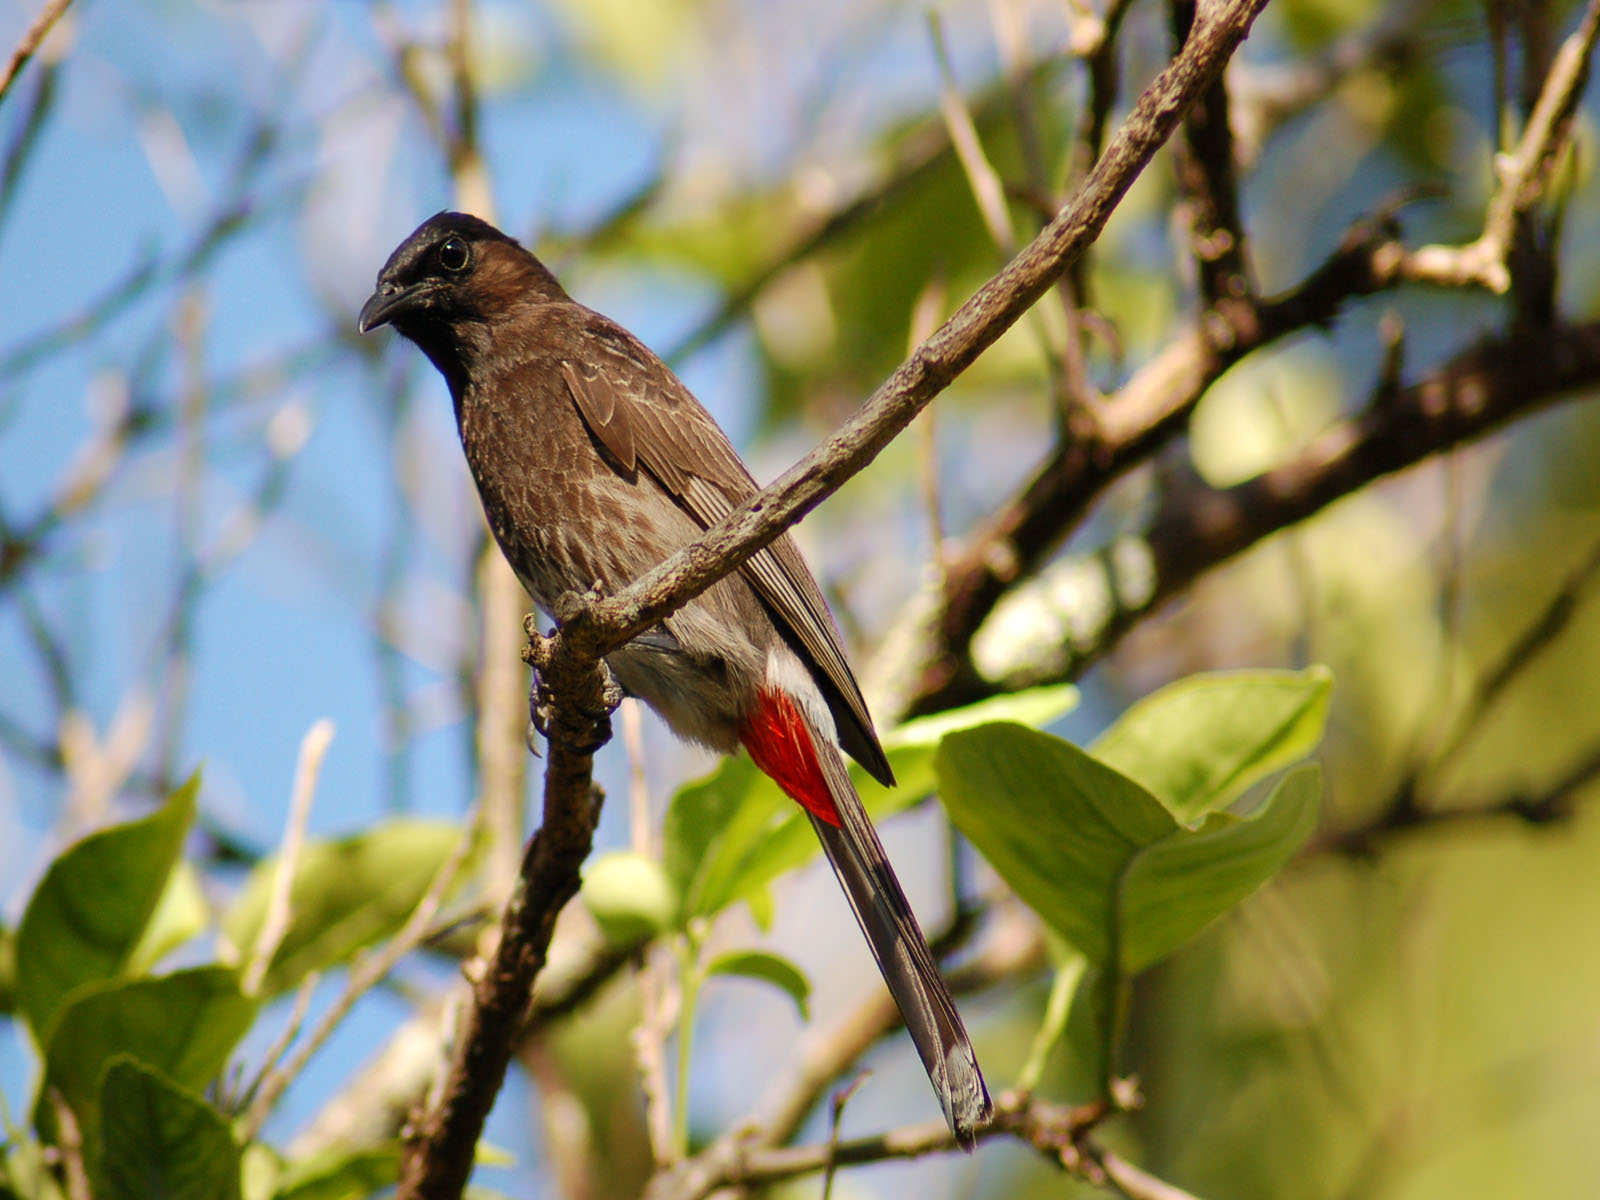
[[639, 42], [1096, 855], [1034, 707], [629, 896], [160, 1140], [729, 835], [184, 1025], [260, 1169], [1199, 743], [347, 894], [29, 1172], [341, 1175], [90, 910], [771, 968], [712, 827], [8, 970], [180, 915]]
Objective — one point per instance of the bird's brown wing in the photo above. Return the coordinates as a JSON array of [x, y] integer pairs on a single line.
[[646, 418]]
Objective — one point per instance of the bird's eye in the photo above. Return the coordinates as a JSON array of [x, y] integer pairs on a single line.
[[453, 254]]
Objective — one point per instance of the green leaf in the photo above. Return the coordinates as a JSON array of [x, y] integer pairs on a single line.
[[180, 915], [712, 828], [731, 834], [8, 970], [1034, 707], [1097, 856], [160, 1140], [1197, 744], [347, 894], [771, 968], [341, 1175], [1058, 826], [184, 1025], [629, 897], [90, 910]]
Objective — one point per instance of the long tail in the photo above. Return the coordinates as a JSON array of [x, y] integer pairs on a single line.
[[812, 771]]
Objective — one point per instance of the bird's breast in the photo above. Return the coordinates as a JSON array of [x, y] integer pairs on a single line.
[[565, 518]]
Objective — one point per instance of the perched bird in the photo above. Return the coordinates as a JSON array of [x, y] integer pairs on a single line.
[[594, 464]]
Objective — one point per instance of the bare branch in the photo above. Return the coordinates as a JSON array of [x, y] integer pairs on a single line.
[[1054, 1129], [1524, 174], [1196, 527]]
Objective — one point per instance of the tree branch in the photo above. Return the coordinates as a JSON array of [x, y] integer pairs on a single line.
[[1056, 1130], [979, 322], [29, 43], [1197, 527], [438, 1155]]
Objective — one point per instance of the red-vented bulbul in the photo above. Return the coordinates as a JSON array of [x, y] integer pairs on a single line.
[[594, 463]]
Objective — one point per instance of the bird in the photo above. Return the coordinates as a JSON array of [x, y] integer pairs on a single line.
[[594, 463]]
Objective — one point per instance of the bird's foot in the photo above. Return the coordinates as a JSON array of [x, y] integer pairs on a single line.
[[586, 727]]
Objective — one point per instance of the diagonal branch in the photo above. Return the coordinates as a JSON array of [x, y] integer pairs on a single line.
[[976, 325], [1197, 528], [32, 38]]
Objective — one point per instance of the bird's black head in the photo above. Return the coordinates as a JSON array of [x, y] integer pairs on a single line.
[[453, 272]]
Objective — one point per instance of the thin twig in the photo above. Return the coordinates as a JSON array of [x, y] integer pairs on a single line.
[[1524, 174], [1054, 1129], [313, 747], [30, 41], [364, 976]]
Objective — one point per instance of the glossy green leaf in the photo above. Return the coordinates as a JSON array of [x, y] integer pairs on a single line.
[[1197, 744], [89, 912], [1096, 855], [160, 1140], [629, 896], [769, 968], [347, 894], [184, 1025], [1059, 827], [730, 835]]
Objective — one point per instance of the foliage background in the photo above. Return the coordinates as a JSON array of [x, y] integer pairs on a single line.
[[224, 517]]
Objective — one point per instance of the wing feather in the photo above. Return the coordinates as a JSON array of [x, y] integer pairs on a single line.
[[639, 410]]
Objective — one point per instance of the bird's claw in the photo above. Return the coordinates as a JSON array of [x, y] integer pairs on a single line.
[[541, 707]]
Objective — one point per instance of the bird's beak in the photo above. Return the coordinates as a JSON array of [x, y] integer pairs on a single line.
[[384, 305]]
